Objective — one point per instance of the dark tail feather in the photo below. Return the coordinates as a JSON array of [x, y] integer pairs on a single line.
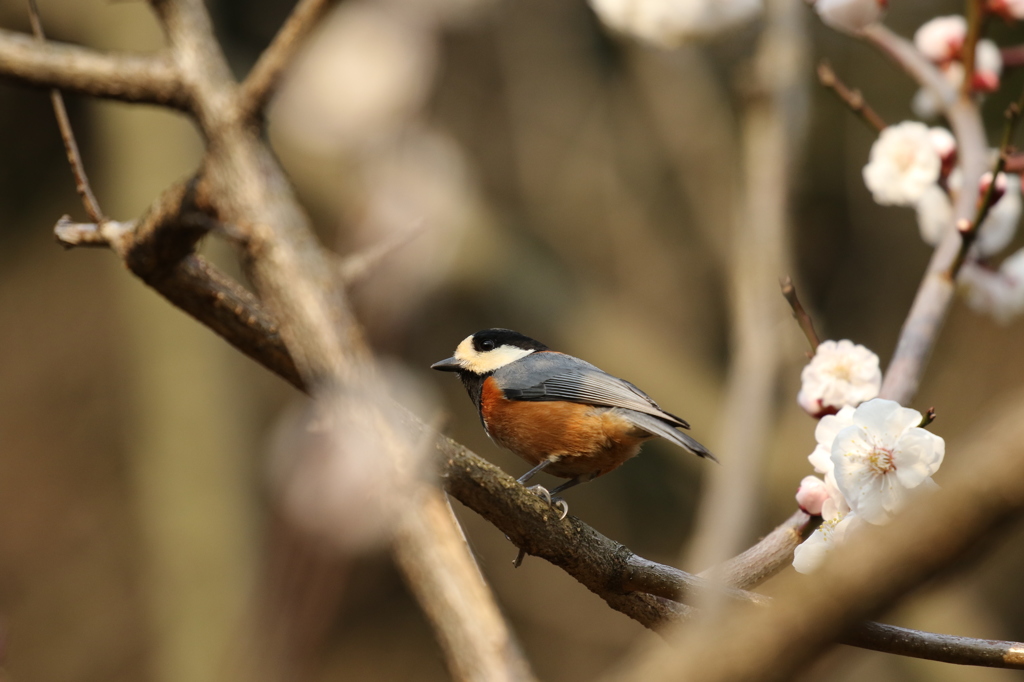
[[661, 428]]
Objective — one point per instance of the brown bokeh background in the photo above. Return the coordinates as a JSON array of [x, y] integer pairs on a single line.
[[571, 186]]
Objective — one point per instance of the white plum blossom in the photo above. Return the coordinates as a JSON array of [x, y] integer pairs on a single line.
[[812, 495], [942, 38], [840, 373], [999, 293], [809, 555], [667, 23], [849, 16], [902, 165], [882, 457]]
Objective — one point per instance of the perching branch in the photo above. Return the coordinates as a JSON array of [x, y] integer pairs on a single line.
[[602, 565], [128, 77], [851, 98]]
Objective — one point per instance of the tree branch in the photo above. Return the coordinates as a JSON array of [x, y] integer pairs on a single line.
[[260, 84], [935, 294], [126, 77], [235, 314]]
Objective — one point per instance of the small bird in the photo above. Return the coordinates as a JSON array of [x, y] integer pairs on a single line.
[[559, 413]]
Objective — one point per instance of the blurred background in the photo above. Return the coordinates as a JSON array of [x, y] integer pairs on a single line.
[[541, 175]]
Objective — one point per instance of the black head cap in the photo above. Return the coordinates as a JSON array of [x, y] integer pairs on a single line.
[[489, 339]]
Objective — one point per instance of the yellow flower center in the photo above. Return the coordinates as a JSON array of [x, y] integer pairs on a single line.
[[880, 461]]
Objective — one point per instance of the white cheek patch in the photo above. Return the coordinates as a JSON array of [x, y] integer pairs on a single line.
[[481, 363]]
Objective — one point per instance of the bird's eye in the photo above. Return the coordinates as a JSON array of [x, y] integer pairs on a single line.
[[486, 345]]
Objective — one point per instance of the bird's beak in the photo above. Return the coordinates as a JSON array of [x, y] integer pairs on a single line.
[[448, 365]]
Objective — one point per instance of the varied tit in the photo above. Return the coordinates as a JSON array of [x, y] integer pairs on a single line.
[[559, 413]]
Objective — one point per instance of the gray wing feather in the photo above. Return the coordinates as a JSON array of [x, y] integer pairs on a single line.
[[658, 427], [554, 376]]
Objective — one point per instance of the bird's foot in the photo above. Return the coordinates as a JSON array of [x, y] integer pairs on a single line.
[[561, 504], [541, 492]]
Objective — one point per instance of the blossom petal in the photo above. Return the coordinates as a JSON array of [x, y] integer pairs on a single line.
[[887, 417], [918, 455]]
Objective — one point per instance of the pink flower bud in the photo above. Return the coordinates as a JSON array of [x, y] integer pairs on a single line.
[[942, 39], [1009, 10], [811, 495], [986, 182]]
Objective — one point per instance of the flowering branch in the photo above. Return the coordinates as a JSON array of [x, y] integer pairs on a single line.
[[935, 294], [969, 229], [865, 575], [851, 98]]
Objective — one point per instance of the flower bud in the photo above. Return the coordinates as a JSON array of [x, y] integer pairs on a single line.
[[811, 495], [942, 39]]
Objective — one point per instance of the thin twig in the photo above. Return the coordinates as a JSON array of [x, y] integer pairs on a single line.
[[356, 267], [976, 15], [92, 206], [799, 314], [969, 229], [851, 98], [261, 82]]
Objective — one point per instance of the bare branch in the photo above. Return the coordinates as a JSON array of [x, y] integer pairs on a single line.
[[260, 84], [933, 647], [436, 562], [799, 314], [126, 77], [768, 557], [851, 98], [908, 58], [358, 266]]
